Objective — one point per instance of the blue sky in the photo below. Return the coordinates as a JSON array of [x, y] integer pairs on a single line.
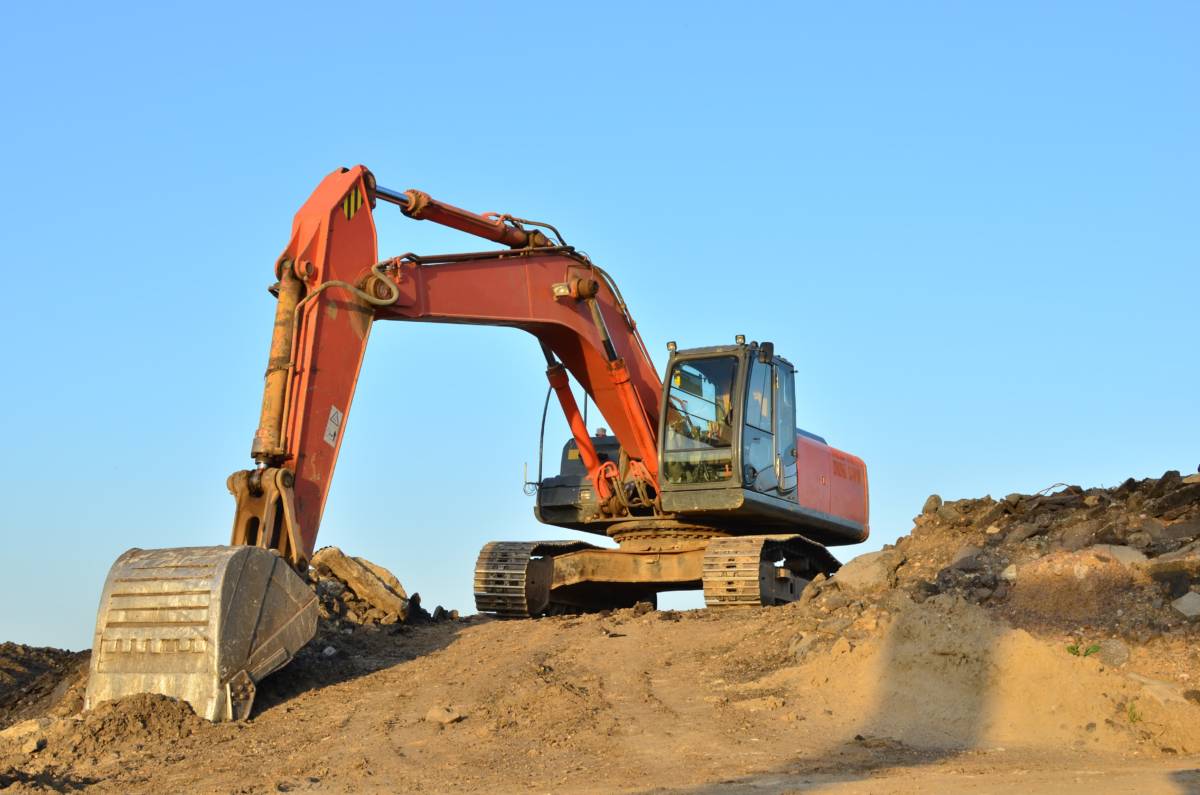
[[973, 229]]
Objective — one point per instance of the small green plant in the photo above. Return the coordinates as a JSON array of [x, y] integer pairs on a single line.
[[1132, 712], [1080, 651]]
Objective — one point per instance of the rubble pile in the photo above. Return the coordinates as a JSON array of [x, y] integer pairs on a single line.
[[1118, 563], [357, 595]]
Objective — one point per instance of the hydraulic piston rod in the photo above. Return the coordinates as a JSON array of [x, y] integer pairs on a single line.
[[422, 207]]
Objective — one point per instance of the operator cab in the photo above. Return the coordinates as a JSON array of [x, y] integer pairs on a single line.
[[730, 449], [730, 456]]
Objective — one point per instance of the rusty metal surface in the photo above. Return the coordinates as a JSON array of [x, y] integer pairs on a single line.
[[201, 624], [265, 513]]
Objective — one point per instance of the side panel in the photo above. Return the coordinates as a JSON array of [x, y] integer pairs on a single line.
[[848, 492], [814, 468]]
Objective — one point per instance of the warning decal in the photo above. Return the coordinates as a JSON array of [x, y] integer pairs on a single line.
[[333, 426]]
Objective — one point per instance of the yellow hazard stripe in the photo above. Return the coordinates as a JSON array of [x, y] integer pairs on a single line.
[[352, 202]]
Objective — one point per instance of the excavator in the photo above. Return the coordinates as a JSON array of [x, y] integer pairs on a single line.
[[705, 482]]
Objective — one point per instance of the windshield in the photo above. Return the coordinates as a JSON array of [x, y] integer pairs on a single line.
[[698, 446]]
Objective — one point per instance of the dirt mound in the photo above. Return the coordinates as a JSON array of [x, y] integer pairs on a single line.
[[114, 726], [36, 681]]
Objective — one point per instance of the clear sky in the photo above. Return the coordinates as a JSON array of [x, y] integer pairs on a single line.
[[972, 227]]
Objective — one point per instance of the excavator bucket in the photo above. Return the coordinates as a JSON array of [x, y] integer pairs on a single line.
[[201, 624]]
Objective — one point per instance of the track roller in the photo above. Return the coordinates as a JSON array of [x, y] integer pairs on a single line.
[[741, 571], [512, 578]]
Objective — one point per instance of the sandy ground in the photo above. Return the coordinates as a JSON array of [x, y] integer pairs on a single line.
[[659, 702]]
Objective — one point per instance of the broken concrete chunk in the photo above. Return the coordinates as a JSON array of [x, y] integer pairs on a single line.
[[1188, 604], [870, 571], [388, 578], [363, 580], [932, 503]]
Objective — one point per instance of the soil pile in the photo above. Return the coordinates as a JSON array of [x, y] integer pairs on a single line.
[[35, 681]]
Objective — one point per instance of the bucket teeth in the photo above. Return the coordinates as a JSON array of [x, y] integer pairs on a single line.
[[201, 624]]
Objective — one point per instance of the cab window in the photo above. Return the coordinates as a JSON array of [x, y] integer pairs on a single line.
[[698, 439]]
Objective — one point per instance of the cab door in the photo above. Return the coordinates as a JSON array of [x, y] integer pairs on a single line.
[[785, 427], [760, 470]]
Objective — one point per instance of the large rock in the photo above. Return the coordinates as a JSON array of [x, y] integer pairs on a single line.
[[363, 580], [870, 571]]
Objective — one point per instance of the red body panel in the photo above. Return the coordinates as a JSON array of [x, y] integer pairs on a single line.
[[832, 482]]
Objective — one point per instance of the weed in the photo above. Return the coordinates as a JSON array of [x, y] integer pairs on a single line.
[[1080, 651]]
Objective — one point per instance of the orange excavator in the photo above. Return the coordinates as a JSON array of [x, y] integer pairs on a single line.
[[705, 482]]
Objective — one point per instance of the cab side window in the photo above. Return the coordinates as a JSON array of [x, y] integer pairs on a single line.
[[758, 398]]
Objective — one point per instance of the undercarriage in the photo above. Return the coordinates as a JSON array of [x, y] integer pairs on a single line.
[[524, 579]]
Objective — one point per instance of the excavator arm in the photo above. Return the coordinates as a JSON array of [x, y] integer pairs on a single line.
[[205, 624], [331, 288]]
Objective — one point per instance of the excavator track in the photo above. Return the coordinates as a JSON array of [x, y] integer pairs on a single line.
[[741, 571], [507, 585]]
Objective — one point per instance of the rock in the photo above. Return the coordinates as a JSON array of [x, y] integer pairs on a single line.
[[1010, 573], [1152, 527], [443, 715], [388, 578], [967, 558], [1181, 531], [1188, 604], [870, 571], [948, 514], [932, 503], [329, 651], [841, 646], [1169, 481], [1022, 532], [639, 609], [1078, 536], [801, 645], [25, 728], [363, 580], [1113, 652], [1177, 569], [1091, 500], [33, 745], [1126, 556], [1013, 500], [1139, 540], [1176, 499]]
